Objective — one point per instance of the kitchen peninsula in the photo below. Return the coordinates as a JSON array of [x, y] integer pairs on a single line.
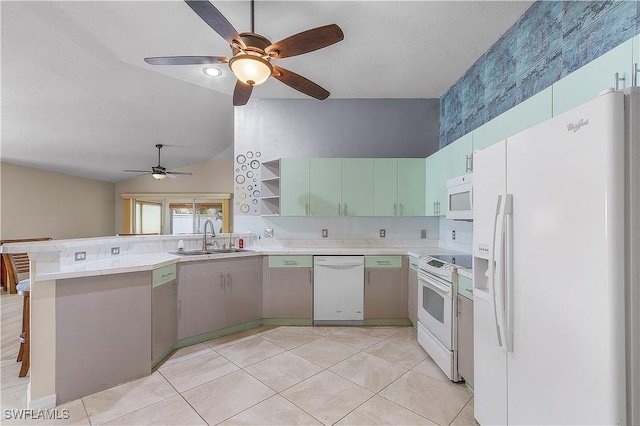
[[92, 320]]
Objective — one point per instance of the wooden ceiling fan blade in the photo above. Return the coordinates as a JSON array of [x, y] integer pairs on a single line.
[[300, 83], [212, 16], [306, 41], [138, 171], [187, 60], [241, 93]]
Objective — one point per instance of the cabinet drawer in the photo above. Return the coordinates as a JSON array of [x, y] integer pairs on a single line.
[[465, 287], [290, 261], [383, 261], [164, 275]]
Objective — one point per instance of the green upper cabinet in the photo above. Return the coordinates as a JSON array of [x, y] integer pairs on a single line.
[[636, 53], [385, 187], [411, 186], [587, 82], [357, 187], [526, 114], [462, 156], [294, 186], [432, 196], [325, 186]]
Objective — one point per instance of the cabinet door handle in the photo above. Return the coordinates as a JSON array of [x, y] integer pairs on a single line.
[[616, 80], [230, 280], [434, 209], [310, 277], [401, 209], [306, 208], [222, 280], [369, 277], [469, 163], [634, 74], [339, 214], [344, 210], [395, 209]]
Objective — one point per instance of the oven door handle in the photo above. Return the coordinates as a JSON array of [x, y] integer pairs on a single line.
[[439, 288]]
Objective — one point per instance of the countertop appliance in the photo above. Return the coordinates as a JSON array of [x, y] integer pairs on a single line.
[[460, 198], [437, 319], [338, 290], [557, 269]]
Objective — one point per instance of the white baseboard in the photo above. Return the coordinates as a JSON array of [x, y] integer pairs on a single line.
[[43, 403]]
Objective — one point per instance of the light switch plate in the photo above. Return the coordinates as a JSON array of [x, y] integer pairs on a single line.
[[325, 233], [268, 232]]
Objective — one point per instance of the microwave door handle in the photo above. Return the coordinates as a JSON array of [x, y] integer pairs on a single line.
[[471, 197]]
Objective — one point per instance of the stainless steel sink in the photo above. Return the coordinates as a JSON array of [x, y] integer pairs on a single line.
[[205, 252]]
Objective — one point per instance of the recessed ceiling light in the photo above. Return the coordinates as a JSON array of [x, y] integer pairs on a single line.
[[212, 71]]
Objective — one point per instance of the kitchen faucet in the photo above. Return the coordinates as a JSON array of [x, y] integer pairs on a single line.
[[204, 235]]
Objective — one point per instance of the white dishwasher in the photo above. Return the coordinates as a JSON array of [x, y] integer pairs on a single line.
[[338, 290]]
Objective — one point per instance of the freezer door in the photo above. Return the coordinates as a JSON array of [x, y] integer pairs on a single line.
[[490, 361], [567, 295]]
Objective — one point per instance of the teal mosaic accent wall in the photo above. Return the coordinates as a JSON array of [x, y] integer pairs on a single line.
[[551, 40]]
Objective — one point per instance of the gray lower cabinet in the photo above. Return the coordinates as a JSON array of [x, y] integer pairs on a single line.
[[219, 294], [164, 312], [385, 290], [288, 292], [465, 339], [103, 330], [413, 290]]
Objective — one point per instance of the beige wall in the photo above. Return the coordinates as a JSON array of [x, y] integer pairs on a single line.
[[38, 203], [211, 176]]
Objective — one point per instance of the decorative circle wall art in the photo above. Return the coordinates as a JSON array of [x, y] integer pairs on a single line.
[[247, 169]]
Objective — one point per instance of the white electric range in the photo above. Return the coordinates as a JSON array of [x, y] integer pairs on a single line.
[[437, 319]]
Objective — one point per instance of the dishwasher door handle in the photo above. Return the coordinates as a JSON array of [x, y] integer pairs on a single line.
[[339, 264]]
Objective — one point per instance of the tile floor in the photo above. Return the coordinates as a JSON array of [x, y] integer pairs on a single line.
[[268, 376]]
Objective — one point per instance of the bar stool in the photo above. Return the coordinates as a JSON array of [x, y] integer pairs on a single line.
[[23, 288]]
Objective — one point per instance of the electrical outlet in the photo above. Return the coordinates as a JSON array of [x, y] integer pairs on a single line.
[[115, 250], [383, 233], [423, 233], [268, 232], [453, 235], [81, 255], [325, 233]]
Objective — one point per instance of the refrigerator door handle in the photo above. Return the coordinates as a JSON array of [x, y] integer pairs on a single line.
[[492, 271], [507, 312], [499, 285]]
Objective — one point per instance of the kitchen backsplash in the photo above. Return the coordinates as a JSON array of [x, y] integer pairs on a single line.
[[340, 228]]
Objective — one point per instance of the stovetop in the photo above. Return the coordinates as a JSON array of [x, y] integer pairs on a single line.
[[463, 260]]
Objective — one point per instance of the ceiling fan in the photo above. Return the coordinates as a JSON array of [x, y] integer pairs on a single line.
[[159, 172], [252, 53]]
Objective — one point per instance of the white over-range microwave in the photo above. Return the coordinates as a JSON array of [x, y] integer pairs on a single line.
[[460, 198]]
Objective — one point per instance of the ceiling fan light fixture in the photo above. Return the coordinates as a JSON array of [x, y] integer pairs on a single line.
[[159, 176], [250, 69], [212, 71]]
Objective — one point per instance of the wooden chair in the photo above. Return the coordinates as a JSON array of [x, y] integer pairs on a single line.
[[23, 287], [21, 261]]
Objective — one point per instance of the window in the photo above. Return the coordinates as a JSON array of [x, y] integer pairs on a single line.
[[175, 213]]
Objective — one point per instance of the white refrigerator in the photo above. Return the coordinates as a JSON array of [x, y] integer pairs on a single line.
[[556, 270]]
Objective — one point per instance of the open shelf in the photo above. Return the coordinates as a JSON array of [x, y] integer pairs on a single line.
[[270, 180]]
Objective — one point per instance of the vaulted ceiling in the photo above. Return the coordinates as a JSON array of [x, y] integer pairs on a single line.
[[78, 98]]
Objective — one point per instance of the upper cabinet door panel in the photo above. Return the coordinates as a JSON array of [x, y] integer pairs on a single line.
[[461, 161], [294, 186], [325, 183], [411, 186], [636, 52], [587, 82], [357, 187], [432, 195], [526, 114], [385, 187]]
